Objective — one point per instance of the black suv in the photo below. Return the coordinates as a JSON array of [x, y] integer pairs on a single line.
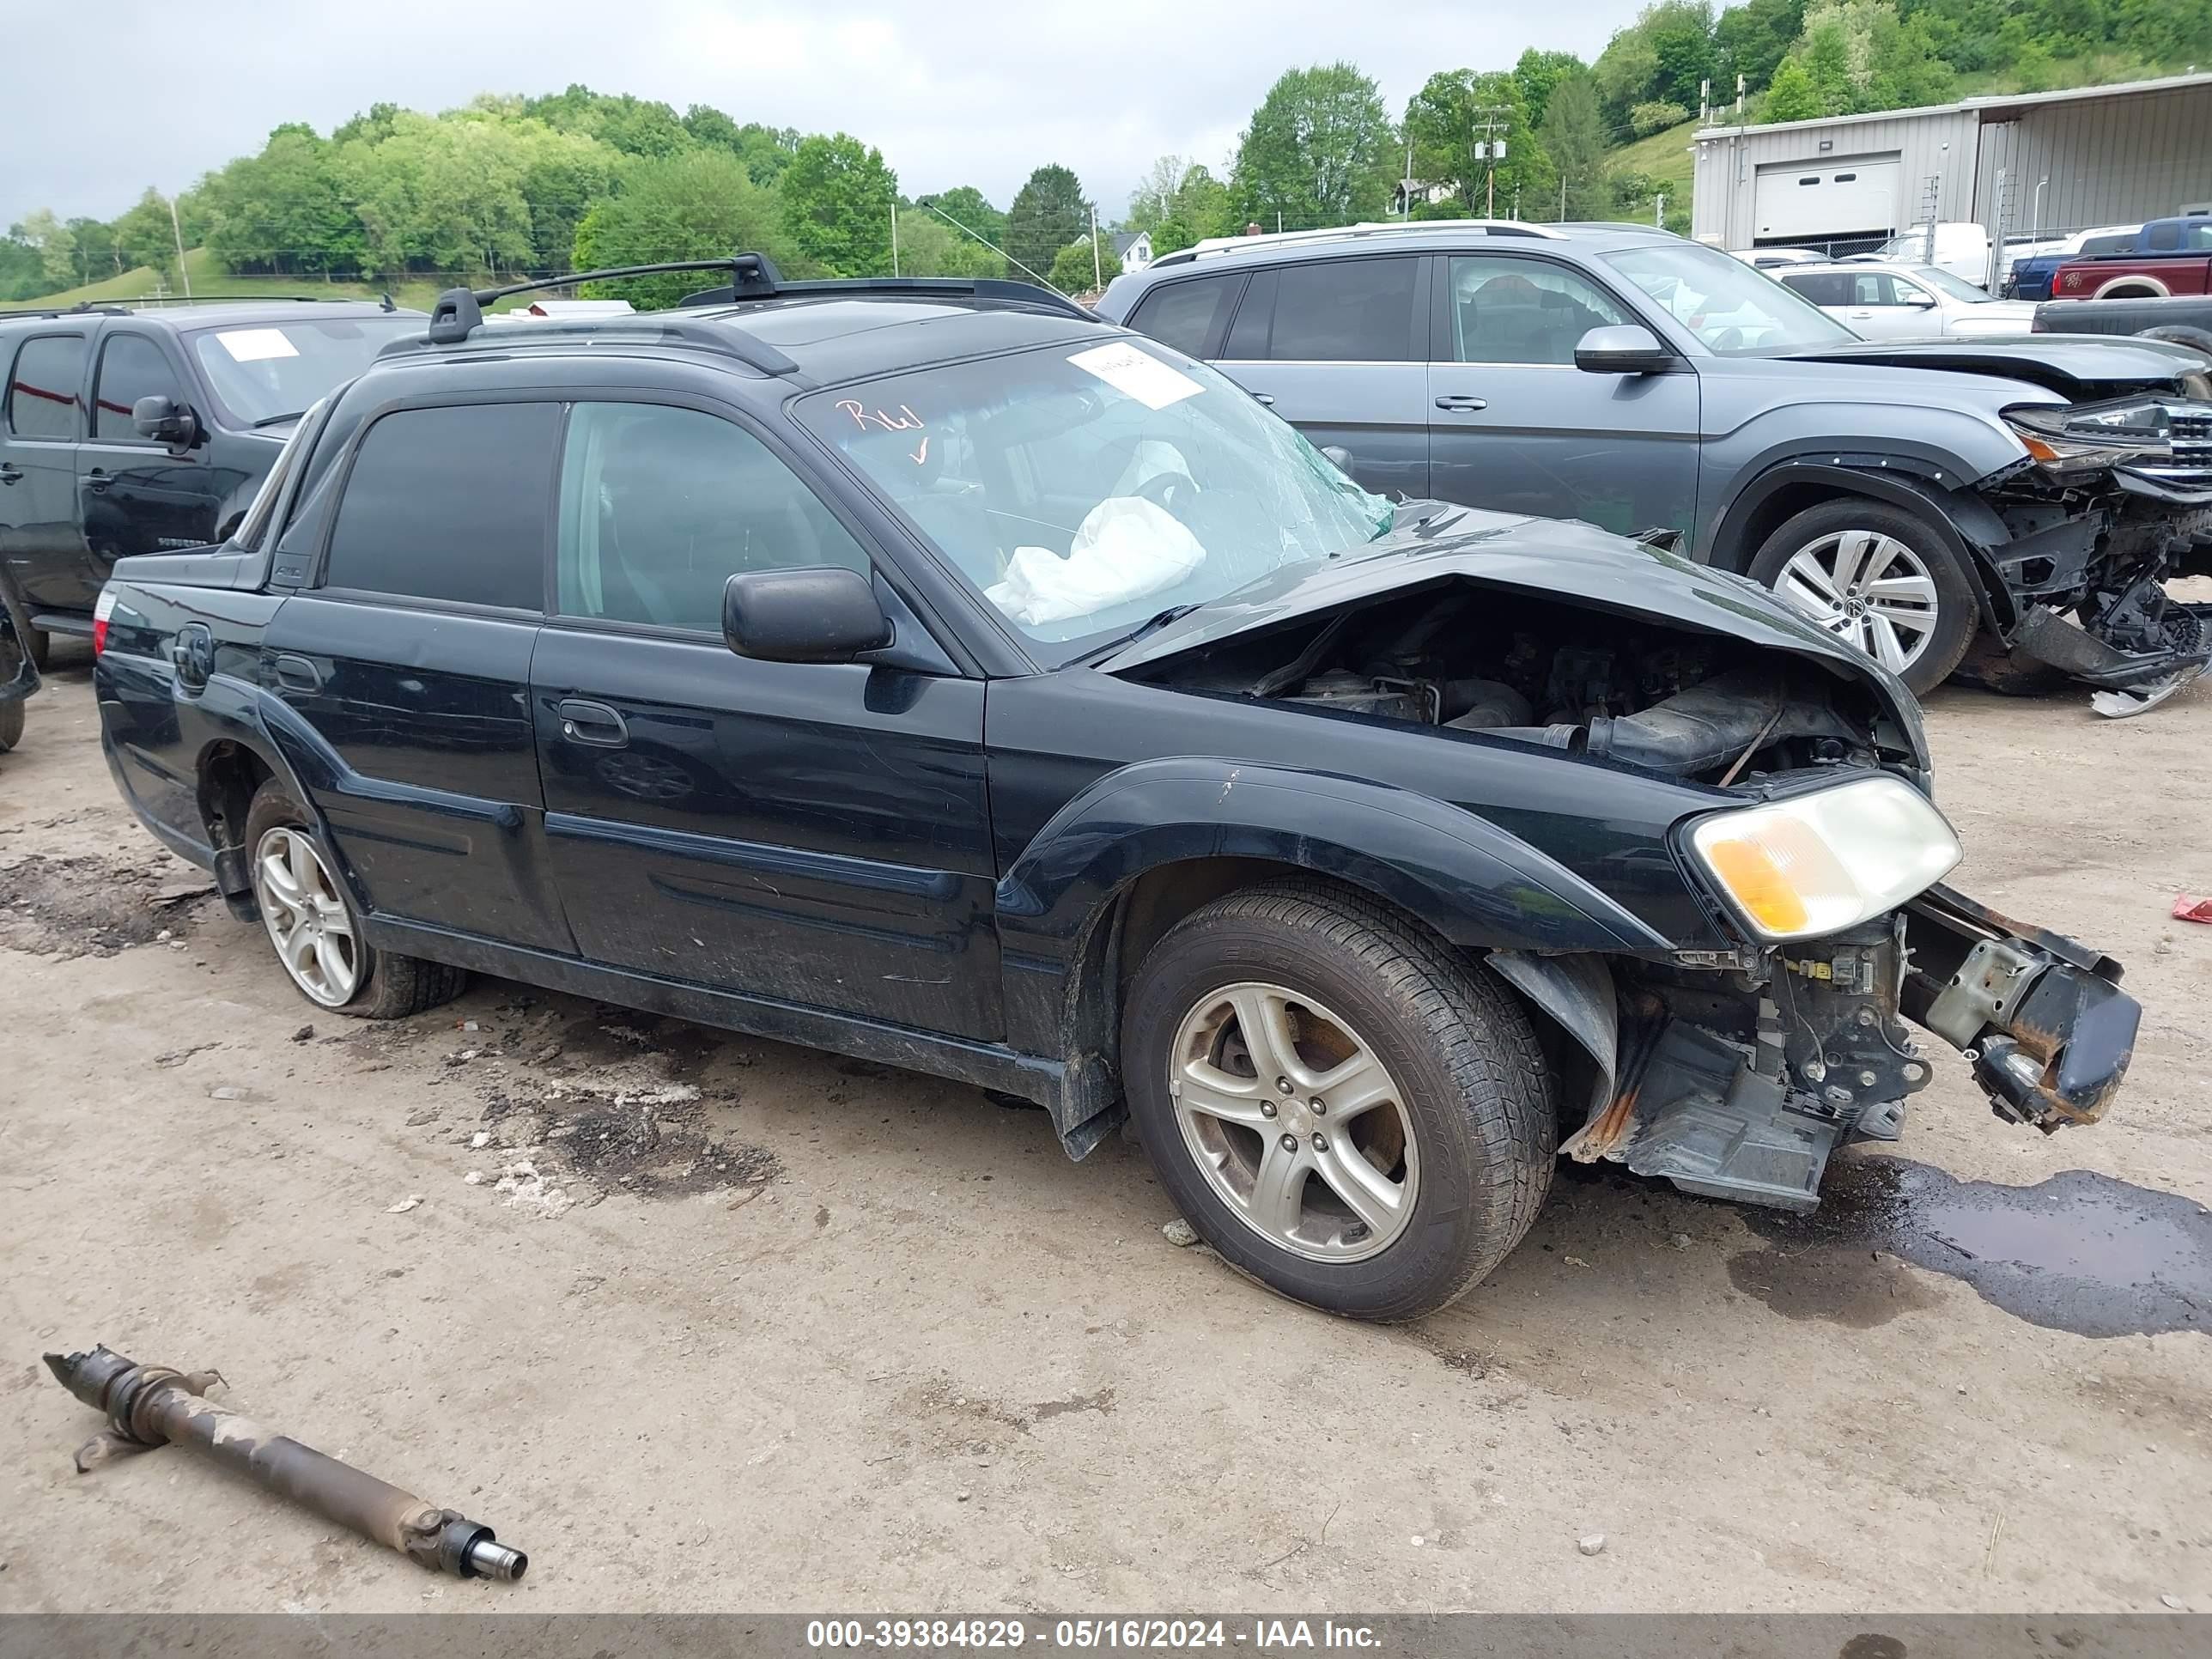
[[930, 672], [130, 431]]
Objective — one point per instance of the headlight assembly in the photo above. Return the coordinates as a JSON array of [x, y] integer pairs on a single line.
[[2153, 432], [1821, 862]]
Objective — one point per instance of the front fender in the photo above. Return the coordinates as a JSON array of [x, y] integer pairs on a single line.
[[1474, 882]]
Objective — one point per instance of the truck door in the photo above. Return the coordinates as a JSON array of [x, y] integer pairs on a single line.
[[410, 659], [136, 495], [40, 537]]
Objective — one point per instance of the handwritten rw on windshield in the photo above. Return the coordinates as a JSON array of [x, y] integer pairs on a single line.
[[878, 420]]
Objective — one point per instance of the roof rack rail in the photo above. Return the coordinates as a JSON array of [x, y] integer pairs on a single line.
[[82, 309], [383, 301], [981, 288], [1215, 245], [459, 311]]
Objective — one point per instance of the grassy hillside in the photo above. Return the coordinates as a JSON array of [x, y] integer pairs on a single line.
[[1664, 156], [208, 278]]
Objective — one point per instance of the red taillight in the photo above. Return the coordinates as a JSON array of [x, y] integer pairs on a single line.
[[100, 613]]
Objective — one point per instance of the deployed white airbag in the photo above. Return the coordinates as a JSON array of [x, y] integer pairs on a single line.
[[1125, 548]]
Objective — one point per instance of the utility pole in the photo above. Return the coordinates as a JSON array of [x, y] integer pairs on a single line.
[[1563, 198], [1739, 97], [1491, 120], [895, 270], [1408, 181], [1659, 211], [177, 231]]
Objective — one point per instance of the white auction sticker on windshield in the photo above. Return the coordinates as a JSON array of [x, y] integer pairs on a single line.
[[1138, 372], [254, 345]]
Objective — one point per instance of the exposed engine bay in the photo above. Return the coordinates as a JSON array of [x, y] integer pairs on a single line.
[[1674, 700]]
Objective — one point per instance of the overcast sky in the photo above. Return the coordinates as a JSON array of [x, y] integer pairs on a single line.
[[98, 102]]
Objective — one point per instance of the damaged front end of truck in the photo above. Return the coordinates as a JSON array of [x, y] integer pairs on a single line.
[[1795, 1014]]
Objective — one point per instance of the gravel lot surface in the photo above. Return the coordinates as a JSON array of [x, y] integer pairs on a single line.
[[731, 1325]]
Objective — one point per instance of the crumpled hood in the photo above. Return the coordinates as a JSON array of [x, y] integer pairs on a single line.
[[2080, 367], [1546, 558]]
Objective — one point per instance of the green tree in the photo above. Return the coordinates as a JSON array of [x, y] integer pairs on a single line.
[[1073, 272], [1049, 212], [1626, 73], [1179, 203], [1647, 118], [837, 196], [1446, 119], [635, 126], [1791, 95], [1319, 150], [95, 240], [928, 247], [145, 235], [57, 248], [284, 209], [1751, 40], [971, 212], [700, 205], [1538, 72], [1681, 35], [1574, 139]]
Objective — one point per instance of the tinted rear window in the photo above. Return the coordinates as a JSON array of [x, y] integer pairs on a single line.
[[1185, 314], [42, 392], [449, 504], [1335, 310]]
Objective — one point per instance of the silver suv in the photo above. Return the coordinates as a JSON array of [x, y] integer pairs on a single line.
[[2011, 507]]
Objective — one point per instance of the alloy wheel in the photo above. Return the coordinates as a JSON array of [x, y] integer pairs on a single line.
[[306, 919], [1866, 587], [1295, 1122]]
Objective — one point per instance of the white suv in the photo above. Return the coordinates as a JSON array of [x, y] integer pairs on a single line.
[[1884, 301]]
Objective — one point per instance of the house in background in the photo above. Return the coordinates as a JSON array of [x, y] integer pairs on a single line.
[[1134, 251]]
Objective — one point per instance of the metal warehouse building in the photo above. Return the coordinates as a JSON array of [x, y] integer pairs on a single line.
[[2033, 163]]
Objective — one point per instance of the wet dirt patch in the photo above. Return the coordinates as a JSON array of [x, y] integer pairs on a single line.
[[654, 1142], [2080, 1252], [610, 1035], [77, 907]]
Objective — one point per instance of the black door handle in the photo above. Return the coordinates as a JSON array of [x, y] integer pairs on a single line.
[[594, 723], [298, 674], [1460, 403], [10, 473], [97, 480]]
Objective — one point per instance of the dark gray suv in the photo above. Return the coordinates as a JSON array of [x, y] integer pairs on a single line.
[[2011, 508]]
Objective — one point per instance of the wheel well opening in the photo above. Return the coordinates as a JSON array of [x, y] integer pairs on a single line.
[[1769, 516], [230, 776]]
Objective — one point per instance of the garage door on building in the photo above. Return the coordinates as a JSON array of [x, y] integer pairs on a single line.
[[1856, 196]]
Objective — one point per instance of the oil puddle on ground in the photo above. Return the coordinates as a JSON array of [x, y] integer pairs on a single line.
[[2078, 1252]]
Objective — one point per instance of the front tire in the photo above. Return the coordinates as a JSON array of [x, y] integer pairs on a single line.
[[315, 930], [1879, 576], [1341, 1105]]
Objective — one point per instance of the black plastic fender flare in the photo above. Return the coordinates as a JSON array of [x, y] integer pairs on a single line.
[[1884, 479]]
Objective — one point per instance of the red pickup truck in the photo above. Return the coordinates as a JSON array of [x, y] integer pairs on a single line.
[[2170, 256]]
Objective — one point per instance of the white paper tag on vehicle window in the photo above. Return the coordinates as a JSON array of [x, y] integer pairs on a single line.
[[1130, 369], [253, 345]]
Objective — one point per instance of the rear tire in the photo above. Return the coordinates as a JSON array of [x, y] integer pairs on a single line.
[[1450, 1160], [1865, 571], [11, 724], [304, 904]]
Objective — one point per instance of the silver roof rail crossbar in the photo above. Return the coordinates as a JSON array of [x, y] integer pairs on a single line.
[[1213, 246]]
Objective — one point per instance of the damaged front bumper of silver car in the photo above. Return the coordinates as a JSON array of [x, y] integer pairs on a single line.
[[2114, 500], [1736, 1075]]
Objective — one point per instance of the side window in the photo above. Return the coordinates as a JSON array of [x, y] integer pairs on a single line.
[[1340, 310], [660, 506], [2200, 236], [1184, 314], [449, 504], [43, 391], [1523, 310], [132, 366], [1822, 287], [1872, 288], [2165, 238]]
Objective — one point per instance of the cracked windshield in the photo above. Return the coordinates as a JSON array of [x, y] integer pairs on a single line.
[[1084, 493]]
